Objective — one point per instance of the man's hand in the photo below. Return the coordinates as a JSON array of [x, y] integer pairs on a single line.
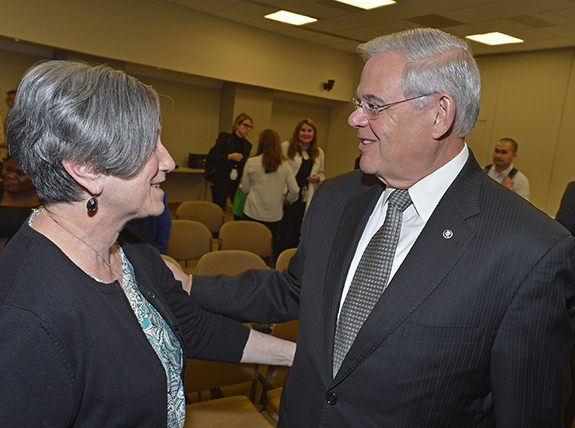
[[235, 157], [314, 178], [180, 275], [507, 182]]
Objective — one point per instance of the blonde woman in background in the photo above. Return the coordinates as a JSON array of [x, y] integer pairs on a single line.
[[229, 156], [307, 162], [265, 177]]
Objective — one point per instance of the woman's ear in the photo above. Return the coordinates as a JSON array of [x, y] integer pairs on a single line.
[[84, 175], [445, 116]]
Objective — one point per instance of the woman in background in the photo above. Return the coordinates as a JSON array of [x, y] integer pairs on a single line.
[[17, 198], [307, 162], [229, 155], [265, 177], [94, 328]]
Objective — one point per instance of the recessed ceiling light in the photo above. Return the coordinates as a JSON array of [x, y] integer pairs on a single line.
[[495, 38], [367, 4], [290, 18]]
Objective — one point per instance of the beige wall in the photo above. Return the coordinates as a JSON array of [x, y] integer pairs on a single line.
[[195, 109], [137, 31], [214, 69]]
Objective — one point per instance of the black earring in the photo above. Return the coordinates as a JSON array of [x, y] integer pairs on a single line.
[[92, 204]]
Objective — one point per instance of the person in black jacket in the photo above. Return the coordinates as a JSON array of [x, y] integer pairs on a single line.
[[230, 155], [94, 329]]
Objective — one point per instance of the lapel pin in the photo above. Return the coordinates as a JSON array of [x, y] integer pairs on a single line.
[[447, 234]]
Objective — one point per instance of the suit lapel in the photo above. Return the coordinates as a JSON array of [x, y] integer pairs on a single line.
[[441, 243]]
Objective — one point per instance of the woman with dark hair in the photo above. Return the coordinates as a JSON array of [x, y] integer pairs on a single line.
[[94, 329], [307, 162], [229, 156], [17, 198], [265, 177]]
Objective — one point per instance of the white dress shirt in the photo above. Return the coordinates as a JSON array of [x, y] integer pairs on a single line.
[[520, 182], [425, 194]]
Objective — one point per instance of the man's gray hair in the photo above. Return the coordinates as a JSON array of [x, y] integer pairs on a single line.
[[436, 62], [94, 116]]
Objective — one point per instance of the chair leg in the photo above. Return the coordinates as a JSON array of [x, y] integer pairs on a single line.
[[254, 385], [266, 385]]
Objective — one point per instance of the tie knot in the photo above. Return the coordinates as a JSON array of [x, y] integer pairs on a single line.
[[400, 198]]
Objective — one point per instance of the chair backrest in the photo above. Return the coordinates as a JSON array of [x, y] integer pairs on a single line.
[[171, 260], [189, 240], [283, 259], [283, 330], [246, 235], [226, 412], [208, 375], [207, 213], [228, 262], [286, 330]]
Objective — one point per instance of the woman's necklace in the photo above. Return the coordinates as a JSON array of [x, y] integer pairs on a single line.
[[114, 271]]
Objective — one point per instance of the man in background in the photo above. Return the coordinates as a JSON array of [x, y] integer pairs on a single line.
[[503, 171]]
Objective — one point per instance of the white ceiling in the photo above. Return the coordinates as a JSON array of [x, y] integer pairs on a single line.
[[543, 24]]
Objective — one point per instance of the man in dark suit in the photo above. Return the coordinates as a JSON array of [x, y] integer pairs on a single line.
[[473, 329], [566, 213]]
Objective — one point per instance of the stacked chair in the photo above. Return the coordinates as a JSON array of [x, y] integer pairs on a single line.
[[270, 397], [221, 412], [242, 245], [247, 235], [189, 240]]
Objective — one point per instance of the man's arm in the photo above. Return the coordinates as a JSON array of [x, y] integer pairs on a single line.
[[533, 342], [266, 349], [262, 296]]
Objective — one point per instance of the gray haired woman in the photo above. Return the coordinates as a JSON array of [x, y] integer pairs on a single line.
[[94, 329]]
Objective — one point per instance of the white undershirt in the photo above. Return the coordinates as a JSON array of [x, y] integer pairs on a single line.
[[425, 195]]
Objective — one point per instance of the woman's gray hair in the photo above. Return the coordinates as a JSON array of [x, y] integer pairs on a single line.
[[436, 62], [94, 116]]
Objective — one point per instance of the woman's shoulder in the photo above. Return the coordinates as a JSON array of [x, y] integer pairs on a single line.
[[254, 160], [223, 137]]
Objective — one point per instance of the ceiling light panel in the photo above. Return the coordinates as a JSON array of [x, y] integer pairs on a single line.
[[494, 38], [367, 4], [290, 17]]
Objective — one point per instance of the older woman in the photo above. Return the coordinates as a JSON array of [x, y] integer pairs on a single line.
[[94, 329]]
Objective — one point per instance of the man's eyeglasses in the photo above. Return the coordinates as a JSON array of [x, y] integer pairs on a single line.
[[372, 111], [245, 125]]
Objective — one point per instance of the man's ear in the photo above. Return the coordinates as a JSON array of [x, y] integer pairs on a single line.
[[84, 175], [444, 117]]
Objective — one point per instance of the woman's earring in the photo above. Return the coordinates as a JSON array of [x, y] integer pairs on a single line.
[[92, 204]]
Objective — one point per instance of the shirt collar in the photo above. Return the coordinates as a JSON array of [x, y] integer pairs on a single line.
[[428, 191], [506, 172]]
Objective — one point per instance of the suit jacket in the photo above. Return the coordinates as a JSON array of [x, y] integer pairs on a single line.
[[473, 330], [566, 213]]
